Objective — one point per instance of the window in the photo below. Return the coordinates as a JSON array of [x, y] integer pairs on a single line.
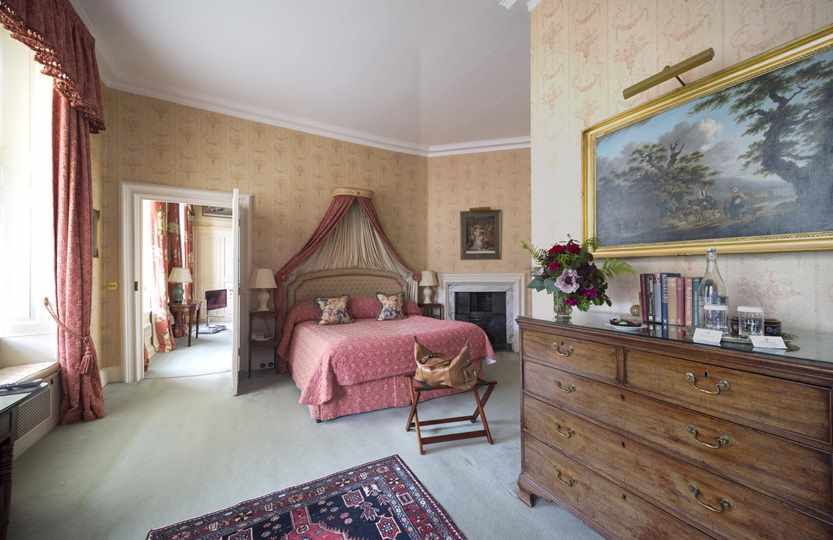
[[26, 236]]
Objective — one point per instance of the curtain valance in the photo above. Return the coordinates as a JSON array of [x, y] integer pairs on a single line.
[[64, 46]]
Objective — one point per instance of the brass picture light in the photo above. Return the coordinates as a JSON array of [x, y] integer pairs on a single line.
[[669, 72]]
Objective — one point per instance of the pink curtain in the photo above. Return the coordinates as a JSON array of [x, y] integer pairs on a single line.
[[64, 47], [188, 254], [338, 208], [73, 208], [161, 268]]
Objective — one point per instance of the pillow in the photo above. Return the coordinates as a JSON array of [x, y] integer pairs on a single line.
[[411, 308], [303, 311], [364, 307], [334, 310], [392, 306]]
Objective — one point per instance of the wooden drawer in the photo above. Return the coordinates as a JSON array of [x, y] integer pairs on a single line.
[[772, 464], [616, 512], [583, 357], [720, 506], [736, 395]]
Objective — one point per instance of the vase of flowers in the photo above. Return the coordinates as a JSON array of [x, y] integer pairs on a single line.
[[569, 272]]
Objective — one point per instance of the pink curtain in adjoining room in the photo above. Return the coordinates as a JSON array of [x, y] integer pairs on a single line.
[[161, 268], [174, 253], [73, 207], [188, 253], [335, 212]]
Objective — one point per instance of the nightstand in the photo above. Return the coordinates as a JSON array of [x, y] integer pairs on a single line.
[[264, 335], [436, 311]]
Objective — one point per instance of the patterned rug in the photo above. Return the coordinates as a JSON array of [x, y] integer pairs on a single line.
[[379, 500]]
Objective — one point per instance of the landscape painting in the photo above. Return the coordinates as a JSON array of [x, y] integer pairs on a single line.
[[752, 161]]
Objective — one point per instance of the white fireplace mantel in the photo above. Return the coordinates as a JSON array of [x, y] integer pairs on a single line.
[[510, 283]]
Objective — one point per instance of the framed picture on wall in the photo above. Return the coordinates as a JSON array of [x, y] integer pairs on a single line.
[[740, 160], [480, 234], [216, 211]]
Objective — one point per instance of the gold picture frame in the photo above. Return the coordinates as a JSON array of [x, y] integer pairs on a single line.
[[752, 68]]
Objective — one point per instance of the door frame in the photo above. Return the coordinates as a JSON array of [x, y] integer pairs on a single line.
[[130, 218]]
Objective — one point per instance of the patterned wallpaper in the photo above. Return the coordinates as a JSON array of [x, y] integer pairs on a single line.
[[499, 180], [291, 175], [584, 52]]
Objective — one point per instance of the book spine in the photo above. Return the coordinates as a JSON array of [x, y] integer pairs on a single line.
[[643, 295], [657, 298], [673, 301], [663, 280], [649, 283], [695, 293], [680, 301], [689, 303]]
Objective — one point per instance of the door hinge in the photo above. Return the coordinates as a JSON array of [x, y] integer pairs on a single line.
[[136, 286]]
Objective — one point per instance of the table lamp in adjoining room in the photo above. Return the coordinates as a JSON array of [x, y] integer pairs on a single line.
[[428, 282], [263, 281], [178, 277]]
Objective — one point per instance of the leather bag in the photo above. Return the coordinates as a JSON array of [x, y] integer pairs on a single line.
[[436, 370]]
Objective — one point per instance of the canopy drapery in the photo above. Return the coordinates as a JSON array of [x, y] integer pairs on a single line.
[[350, 235], [66, 49]]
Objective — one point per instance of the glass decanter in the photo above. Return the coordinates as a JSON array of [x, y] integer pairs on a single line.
[[714, 296]]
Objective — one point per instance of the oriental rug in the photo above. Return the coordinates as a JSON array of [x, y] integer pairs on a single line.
[[379, 500]]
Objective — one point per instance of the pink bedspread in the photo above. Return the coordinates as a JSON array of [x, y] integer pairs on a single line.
[[321, 358]]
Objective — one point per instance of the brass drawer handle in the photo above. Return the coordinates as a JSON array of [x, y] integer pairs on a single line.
[[721, 386], [722, 442], [564, 479], [723, 504], [561, 350], [568, 388], [564, 432]]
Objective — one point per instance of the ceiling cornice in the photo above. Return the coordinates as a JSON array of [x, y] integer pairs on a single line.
[[276, 118]]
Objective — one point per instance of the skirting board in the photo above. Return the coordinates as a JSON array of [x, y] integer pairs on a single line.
[[110, 374]]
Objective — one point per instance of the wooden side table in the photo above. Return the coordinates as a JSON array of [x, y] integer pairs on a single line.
[[436, 311], [266, 323], [192, 312]]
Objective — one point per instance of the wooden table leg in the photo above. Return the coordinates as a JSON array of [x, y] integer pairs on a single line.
[[484, 400], [190, 324], [482, 415], [413, 408]]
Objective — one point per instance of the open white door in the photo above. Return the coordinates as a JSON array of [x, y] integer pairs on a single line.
[[236, 303]]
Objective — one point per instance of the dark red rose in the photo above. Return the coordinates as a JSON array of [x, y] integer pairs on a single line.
[[590, 293], [554, 267], [557, 249], [573, 248], [570, 301]]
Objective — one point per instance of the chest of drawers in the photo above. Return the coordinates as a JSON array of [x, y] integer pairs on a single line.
[[643, 437]]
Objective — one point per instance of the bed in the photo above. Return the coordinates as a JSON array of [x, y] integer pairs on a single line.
[[365, 365]]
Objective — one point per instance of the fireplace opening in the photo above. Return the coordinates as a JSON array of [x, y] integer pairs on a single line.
[[487, 310]]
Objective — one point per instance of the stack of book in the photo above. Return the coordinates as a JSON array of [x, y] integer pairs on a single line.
[[669, 298]]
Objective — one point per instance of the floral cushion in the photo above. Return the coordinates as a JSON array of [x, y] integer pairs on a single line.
[[334, 310], [392, 306]]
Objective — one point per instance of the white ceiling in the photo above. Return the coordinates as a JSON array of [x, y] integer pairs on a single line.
[[421, 76]]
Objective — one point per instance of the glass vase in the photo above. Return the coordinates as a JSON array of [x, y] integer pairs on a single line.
[[563, 311]]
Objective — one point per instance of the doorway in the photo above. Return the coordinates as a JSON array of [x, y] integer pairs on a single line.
[[187, 279], [184, 283]]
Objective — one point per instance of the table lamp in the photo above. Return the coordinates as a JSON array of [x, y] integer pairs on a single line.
[[428, 282], [178, 276], [263, 280]]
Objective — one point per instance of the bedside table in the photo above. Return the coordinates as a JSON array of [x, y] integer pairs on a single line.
[[436, 311], [265, 321]]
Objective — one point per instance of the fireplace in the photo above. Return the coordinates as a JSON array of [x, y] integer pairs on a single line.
[[487, 310]]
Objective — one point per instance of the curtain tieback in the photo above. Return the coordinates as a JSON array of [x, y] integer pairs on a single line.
[[89, 355]]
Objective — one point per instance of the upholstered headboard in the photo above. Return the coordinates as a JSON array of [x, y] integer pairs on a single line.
[[349, 281]]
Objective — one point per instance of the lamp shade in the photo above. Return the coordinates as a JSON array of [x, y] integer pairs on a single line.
[[429, 279], [180, 275], [263, 278]]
